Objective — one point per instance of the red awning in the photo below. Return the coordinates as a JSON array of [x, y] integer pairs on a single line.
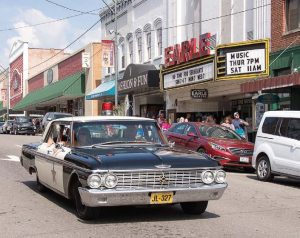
[[271, 83]]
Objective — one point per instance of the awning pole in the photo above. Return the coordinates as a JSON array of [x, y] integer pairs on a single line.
[[116, 56]]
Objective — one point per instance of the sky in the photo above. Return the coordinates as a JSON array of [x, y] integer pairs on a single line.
[[19, 13]]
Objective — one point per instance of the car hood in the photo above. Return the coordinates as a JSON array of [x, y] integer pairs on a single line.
[[230, 143], [23, 124], [145, 157]]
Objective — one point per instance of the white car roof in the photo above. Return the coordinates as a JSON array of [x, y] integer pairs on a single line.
[[282, 114], [103, 118]]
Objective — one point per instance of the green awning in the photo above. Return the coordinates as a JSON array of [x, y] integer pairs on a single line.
[[1, 105], [72, 86], [283, 61]]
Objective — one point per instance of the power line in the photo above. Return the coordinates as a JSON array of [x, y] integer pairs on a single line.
[[48, 22], [81, 35], [71, 9]]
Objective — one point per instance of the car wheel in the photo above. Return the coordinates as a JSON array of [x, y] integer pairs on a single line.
[[201, 150], [195, 208], [40, 187], [263, 169], [83, 212]]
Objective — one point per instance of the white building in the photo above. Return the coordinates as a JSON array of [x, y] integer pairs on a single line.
[[147, 27]]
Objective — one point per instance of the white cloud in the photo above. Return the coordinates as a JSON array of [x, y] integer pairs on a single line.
[[45, 36]]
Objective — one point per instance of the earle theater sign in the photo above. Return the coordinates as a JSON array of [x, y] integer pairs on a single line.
[[188, 50]]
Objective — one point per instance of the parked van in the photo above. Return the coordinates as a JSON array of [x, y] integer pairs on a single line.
[[277, 145]]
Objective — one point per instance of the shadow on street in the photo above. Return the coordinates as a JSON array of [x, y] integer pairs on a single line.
[[280, 180], [124, 214]]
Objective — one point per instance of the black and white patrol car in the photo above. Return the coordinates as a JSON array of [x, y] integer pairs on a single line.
[[116, 161]]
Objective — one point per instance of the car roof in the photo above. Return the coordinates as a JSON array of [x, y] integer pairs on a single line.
[[291, 114], [103, 118]]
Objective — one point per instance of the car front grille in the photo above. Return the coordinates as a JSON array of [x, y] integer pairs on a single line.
[[159, 179], [241, 152]]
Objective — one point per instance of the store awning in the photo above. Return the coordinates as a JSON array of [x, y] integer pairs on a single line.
[[103, 90], [72, 86], [1, 105], [271, 83]]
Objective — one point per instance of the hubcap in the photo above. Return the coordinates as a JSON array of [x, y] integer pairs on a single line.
[[262, 168]]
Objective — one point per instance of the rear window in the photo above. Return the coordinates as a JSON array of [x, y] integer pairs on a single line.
[[58, 116], [269, 126]]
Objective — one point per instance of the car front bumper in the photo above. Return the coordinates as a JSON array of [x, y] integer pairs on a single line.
[[105, 198], [25, 131]]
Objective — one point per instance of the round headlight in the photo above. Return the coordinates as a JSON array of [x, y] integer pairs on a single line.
[[94, 181], [207, 177], [220, 176], [110, 180]]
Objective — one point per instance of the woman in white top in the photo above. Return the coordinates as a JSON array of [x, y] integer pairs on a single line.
[[228, 123]]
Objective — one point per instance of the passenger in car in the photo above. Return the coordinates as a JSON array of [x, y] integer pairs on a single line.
[[83, 137]]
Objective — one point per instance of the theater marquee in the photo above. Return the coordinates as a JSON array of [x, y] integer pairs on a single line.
[[242, 60]]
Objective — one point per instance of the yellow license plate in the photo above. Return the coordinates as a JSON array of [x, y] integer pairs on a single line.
[[161, 198]]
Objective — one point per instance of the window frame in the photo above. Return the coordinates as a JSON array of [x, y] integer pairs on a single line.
[[148, 44], [287, 16]]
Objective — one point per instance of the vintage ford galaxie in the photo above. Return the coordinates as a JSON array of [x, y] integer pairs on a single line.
[[120, 161]]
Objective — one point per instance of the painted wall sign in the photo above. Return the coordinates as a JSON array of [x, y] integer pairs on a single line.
[[196, 74], [86, 62], [199, 93], [247, 59], [107, 53], [188, 50]]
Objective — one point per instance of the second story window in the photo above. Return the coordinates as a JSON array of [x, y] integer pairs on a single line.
[[292, 15], [122, 56], [139, 48], [159, 41], [130, 48], [148, 43]]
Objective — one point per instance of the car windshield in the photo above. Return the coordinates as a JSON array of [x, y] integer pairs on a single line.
[[99, 133], [24, 119], [57, 116], [218, 132]]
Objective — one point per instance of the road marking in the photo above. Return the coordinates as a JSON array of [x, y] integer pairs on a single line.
[[12, 158]]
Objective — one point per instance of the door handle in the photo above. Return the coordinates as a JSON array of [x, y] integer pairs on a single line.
[[294, 147]]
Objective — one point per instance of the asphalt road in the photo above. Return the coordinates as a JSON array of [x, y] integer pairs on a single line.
[[249, 208]]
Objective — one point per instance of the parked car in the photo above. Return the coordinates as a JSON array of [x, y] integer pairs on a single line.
[[1, 129], [277, 145], [219, 142], [7, 126], [23, 125], [116, 161], [53, 116]]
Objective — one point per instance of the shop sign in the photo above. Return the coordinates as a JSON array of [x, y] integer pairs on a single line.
[[241, 101], [199, 93], [242, 60], [188, 50], [133, 83], [107, 53], [86, 63], [197, 74]]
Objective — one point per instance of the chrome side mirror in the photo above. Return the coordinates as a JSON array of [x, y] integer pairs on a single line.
[[171, 144]]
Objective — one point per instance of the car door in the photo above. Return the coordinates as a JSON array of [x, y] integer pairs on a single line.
[[177, 134], [50, 163], [191, 138], [291, 162]]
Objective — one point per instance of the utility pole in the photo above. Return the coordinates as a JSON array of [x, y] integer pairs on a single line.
[[116, 56], [115, 48], [6, 74]]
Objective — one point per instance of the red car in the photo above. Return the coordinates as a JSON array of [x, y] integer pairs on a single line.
[[221, 143]]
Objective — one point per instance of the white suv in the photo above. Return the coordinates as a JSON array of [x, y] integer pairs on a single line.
[[277, 145]]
